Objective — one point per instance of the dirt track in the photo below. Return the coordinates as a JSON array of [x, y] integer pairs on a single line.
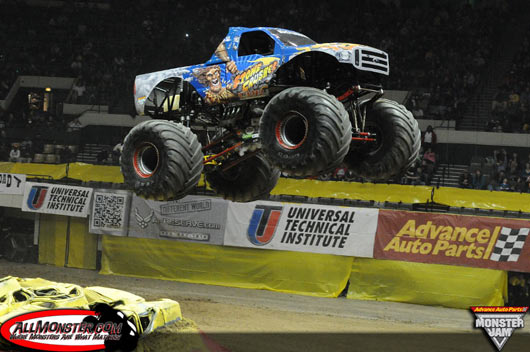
[[238, 318]]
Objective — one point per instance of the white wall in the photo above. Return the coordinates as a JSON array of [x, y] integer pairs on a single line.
[[483, 138], [11, 200]]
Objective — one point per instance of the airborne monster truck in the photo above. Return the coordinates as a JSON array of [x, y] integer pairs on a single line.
[[268, 100]]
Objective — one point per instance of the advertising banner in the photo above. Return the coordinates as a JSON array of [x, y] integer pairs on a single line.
[[56, 199], [302, 227], [495, 243], [12, 183], [193, 218], [110, 212]]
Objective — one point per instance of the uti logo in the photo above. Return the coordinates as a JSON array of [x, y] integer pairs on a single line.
[[36, 197], [263, 223]]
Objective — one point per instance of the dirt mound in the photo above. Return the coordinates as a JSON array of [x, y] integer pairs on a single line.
[[182, 336]]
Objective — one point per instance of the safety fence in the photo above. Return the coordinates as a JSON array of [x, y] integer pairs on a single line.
[[288, 247], [486, 242]]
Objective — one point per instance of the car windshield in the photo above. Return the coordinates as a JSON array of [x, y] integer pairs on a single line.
[[291, 38]]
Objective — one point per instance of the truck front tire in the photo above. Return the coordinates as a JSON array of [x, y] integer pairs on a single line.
[[161, 160], [305, 131]]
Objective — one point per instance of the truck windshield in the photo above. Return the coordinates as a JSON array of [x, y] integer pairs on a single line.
[[291, 38]]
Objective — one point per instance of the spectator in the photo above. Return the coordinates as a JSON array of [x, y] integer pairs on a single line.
[[526, 171], [465, 180], [116, 152], [479, 181], [492, 186], [340, 173], [78, 91], [429, 157], [505, 185], [519, 184], [66, 155], [102, 156], [428, 138], [414, 176], [501, 161], [4, 154], [14, 154]]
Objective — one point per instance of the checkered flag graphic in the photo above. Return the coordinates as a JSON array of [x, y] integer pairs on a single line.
[[509, 245]]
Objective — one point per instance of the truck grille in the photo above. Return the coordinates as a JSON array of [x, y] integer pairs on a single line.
[[370, 59]]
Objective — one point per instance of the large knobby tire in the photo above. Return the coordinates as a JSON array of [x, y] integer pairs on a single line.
[[250, 180], [161, 160], [305, 131], [397, 147]]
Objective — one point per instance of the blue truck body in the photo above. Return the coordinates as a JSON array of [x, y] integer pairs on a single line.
[[228, 75]]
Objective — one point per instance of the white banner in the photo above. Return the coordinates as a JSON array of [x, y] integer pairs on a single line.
[[110, 212], [56, 199], [12, 183], [302, 227]]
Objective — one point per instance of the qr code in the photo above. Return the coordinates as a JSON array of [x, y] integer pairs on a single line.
[[108, 211]]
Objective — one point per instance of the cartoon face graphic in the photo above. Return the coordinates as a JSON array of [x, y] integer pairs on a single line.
[[213, 79], [210, 77]]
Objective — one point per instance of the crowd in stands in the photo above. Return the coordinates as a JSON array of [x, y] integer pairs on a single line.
[[105, 49], [506, 172], [510, 107]]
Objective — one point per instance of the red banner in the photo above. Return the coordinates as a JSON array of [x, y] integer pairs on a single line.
[[494, 243]]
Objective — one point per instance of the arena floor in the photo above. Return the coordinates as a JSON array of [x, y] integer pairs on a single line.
[[238, 318]]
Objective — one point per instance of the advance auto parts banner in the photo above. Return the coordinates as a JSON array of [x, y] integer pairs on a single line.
[[56, 199], [302, 227], [192, 218], [483, 242]]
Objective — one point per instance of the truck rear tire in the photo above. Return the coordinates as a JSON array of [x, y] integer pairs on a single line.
[[247, 181], [397, 146], [305, 131], [161, 160]]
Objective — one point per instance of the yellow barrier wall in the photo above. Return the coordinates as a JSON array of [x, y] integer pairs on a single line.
[[83, 246], [430, 284], [100, 173], [292, 272], [353, 190], [56, 171], [52, 239], [456, 197], [311, 188], [471, 198]]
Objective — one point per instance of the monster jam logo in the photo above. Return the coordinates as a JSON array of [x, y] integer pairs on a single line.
[[499, 323], [263, 223]]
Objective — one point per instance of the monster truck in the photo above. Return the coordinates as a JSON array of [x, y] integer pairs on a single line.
[[268, 100]]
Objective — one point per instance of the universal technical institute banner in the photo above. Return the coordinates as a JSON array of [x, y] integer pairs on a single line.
[[302, 227], [56, 199], [495, 243], [193, 218]]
